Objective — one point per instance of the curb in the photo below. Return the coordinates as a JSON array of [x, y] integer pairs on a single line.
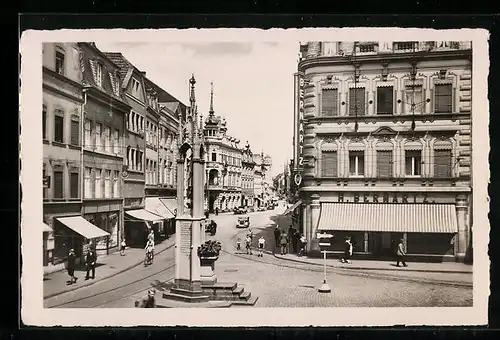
[[394, 277], [104, 277]]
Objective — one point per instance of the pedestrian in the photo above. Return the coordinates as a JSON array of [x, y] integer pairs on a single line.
[[71, 266], [303, 243], [291, 231], [148, 301], [90, 260], [207, 214], [262, 243], [283, 242], [347, 251], [277, 234], [238, 244], [248, 243], [216, 211], [122, 247], [295, 241], [401, 253]]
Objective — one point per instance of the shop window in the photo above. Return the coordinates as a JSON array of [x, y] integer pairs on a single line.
[[74, 184], [443, 98], [356, 101], [329, 164], [413, 163], [58, 184], [435, 244], [442, 163], [59, 126], [329, 102], [385, 100], [356, 163], [384, 164]]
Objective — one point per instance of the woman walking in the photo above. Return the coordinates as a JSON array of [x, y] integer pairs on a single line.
[[401, 253]]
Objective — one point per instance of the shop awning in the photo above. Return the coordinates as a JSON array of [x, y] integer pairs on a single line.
[[46, 228], [83, 227], [170, 204], [154, 205], [292, 208], [142, 214], [410, 218]]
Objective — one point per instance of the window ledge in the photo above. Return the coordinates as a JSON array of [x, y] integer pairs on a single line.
[[46, 141], [135, 171], [104, 153], [60, 144], [74, 147]]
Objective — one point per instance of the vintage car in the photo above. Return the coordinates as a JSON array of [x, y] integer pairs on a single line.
[[210, 227], [243, 222], [240, 210]]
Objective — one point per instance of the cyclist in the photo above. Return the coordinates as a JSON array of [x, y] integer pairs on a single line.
[[149, 253]]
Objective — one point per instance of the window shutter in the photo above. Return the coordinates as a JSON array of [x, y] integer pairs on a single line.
[[443, 98], [58, 184], [75, 133], [329, 164], [384, 164], [442, 163], [356, 101], [329, 102], [75, 184], [385, 98]]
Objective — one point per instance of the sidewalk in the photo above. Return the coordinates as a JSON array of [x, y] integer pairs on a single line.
[[56, 283]]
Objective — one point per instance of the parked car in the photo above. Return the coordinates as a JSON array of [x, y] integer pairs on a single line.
[[240, 210], [210, 227], [243, 222]]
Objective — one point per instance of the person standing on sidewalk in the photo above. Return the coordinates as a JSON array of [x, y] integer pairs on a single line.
[[248, 244], [291, 231], [277, 235], [90, 260], [71, 266], [262, 244], [216, 211], [401, 253], [303, 242], [347, 251], [122, 247], [283, 242]]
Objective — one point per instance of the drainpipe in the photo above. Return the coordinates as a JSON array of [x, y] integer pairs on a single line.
[[82, 165]]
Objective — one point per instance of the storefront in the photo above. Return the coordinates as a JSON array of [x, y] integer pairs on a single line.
[[163, 207], [107, 221], [432, 225], [171, 204], [48, 243], [75, 232], [138, 224]]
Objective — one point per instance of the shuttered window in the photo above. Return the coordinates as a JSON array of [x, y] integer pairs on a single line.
[[413, 163], [442, 163], [329, 164], [356, 101], [59, 128], [443, 98], [74, 184], [384, 164], [58, 184], [329, 102], [356, 163], [75, 133], [385, 100]]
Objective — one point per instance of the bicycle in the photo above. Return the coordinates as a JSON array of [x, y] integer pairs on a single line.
[[148, 259]]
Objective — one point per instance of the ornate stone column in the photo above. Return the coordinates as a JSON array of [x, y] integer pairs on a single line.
[[461, 240]]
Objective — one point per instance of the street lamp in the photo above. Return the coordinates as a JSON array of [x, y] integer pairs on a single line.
[[324, 245]]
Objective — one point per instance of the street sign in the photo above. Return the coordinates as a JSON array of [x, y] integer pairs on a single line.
[[324, 235]]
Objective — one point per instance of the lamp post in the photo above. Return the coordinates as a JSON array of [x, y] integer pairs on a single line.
[[324, 245]]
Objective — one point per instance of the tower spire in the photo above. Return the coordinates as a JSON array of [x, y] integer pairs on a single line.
[[211, 111], [192, 98]]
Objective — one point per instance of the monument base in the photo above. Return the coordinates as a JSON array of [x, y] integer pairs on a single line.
[[186, 291]]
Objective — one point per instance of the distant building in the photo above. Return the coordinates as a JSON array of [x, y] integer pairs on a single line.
[[383, 146]]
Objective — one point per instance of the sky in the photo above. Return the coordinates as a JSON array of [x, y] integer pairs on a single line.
[[253, 85]]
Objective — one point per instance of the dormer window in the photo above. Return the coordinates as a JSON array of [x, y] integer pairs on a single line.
[[136, 88], [98, 74]]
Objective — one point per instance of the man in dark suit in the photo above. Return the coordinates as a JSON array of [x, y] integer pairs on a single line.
[[90, 260], [71, 266]]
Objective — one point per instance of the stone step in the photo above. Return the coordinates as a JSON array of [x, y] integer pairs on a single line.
[[245, 296], [187, 292], [219, 285], [180, 304], [184, 298], [250, 302], [238, 290]]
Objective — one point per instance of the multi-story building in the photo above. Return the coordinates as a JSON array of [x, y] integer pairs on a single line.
[[247, 178], [61, 135], [383, 145], [104, 117], [261, 174], [223, 165]]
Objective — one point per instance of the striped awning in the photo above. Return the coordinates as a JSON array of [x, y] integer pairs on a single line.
[[409, 218], [292, 208], [144, 215], [83, 227], [154, 205], [170, 204]]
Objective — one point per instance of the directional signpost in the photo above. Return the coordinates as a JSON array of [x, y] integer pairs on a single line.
[[324, 245]]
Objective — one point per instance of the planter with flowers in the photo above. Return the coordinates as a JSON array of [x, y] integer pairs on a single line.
[[208, 253]]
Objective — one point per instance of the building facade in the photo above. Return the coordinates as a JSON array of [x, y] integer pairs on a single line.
[[223, 164], [261, 179], [62, 144], [247, 178], [383, 146], [104, 116]]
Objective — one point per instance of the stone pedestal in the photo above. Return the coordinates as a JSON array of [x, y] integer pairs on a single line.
[[207, 270]]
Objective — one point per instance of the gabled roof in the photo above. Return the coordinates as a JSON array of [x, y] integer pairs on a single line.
[[126, 67], [171, 106]]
